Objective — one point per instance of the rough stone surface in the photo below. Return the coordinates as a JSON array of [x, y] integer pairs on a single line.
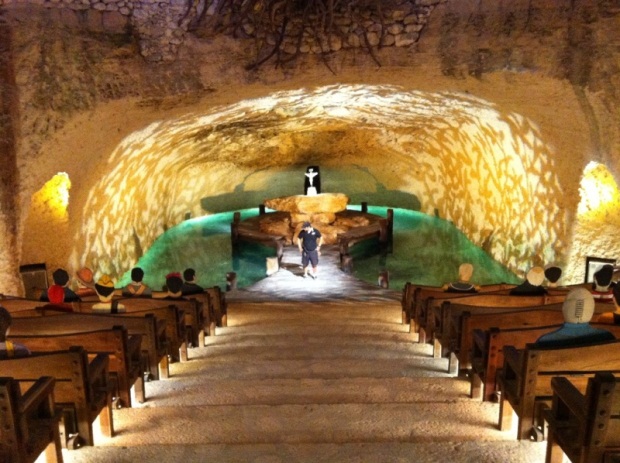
[[549, 73], [316, 381]]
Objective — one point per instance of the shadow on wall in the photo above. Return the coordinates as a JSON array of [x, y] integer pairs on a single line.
[[355, 182]]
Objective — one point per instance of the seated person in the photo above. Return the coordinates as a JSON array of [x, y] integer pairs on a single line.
[[174, 284], [577, 309], [56, 296], [612, 318], [137, 287], [532, 286], [105, 290], [9, 349], [602, 286], [189, 285], [61, 278], [462, 285], [553, 273], [85, 282]]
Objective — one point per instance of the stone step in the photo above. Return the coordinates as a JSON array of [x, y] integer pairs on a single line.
[[204, 390], [251, 369], [433, 451], [308, 423], [312, 335]]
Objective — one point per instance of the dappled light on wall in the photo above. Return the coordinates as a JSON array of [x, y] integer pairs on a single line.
[[487, 171]]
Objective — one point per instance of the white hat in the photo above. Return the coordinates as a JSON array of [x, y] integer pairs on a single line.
[[578, 306]]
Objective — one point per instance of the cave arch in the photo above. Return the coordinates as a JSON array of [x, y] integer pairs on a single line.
[[488, 171]]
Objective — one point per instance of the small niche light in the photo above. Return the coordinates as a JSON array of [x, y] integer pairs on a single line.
[[54, 196], [598, 190]]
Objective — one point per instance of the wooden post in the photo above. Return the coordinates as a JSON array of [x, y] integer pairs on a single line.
[[384, 279], [237, 217], [231, 281], [383, 230], [364, 207], [347, 264], [390, 224], [261, 209]]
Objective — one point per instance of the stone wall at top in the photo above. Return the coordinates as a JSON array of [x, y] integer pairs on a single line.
[[128, 64]]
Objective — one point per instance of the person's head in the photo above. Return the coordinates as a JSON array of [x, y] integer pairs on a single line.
[[307, 226], [578, 307], [466, 270], [603, 276], [137, 274], [56, 294], [60, 277], [189, 275], [553, 273], [5, 323], [85, 276], [174, 283], [536, 276], [104, 288]]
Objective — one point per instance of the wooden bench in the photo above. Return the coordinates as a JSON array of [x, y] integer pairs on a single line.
[[487, 356], [154, 342], [219, 306], [426, 298], [167, 311], [29, 422], [456, 338], [196, 316], [525, 379], [81, 389], [584, 427], [439, 315], [124, 351]]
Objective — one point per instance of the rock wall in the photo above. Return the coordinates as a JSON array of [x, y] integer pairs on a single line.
[[90, 79]]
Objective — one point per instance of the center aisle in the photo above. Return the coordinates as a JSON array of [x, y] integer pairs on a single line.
[[331, 381]]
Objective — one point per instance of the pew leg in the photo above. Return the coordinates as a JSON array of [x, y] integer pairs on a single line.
[[105, 419], [53, 452], [554, 451], [436, 348], [475, 386], [138, 389], [453, 364], [422, 336], [505, 412], [224, 320], [212, 329], [183, 352], [201, 338], [164, 368]]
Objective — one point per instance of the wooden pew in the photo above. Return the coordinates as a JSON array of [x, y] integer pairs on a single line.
[[29, 423], [154, 343], [456, 338], [584, 427], [438, 324], [81, 389], [408, 299], [168, 311], [425, 299], [124, 351], [220, 306], [525, 379], [487, 356]]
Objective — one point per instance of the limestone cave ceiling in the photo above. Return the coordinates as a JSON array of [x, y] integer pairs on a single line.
[[459, 156], [283, 29]]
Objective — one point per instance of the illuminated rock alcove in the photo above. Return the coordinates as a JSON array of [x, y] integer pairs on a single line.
[[447, 154]]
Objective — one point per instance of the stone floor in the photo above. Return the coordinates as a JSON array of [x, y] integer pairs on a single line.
[[310, 371]]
